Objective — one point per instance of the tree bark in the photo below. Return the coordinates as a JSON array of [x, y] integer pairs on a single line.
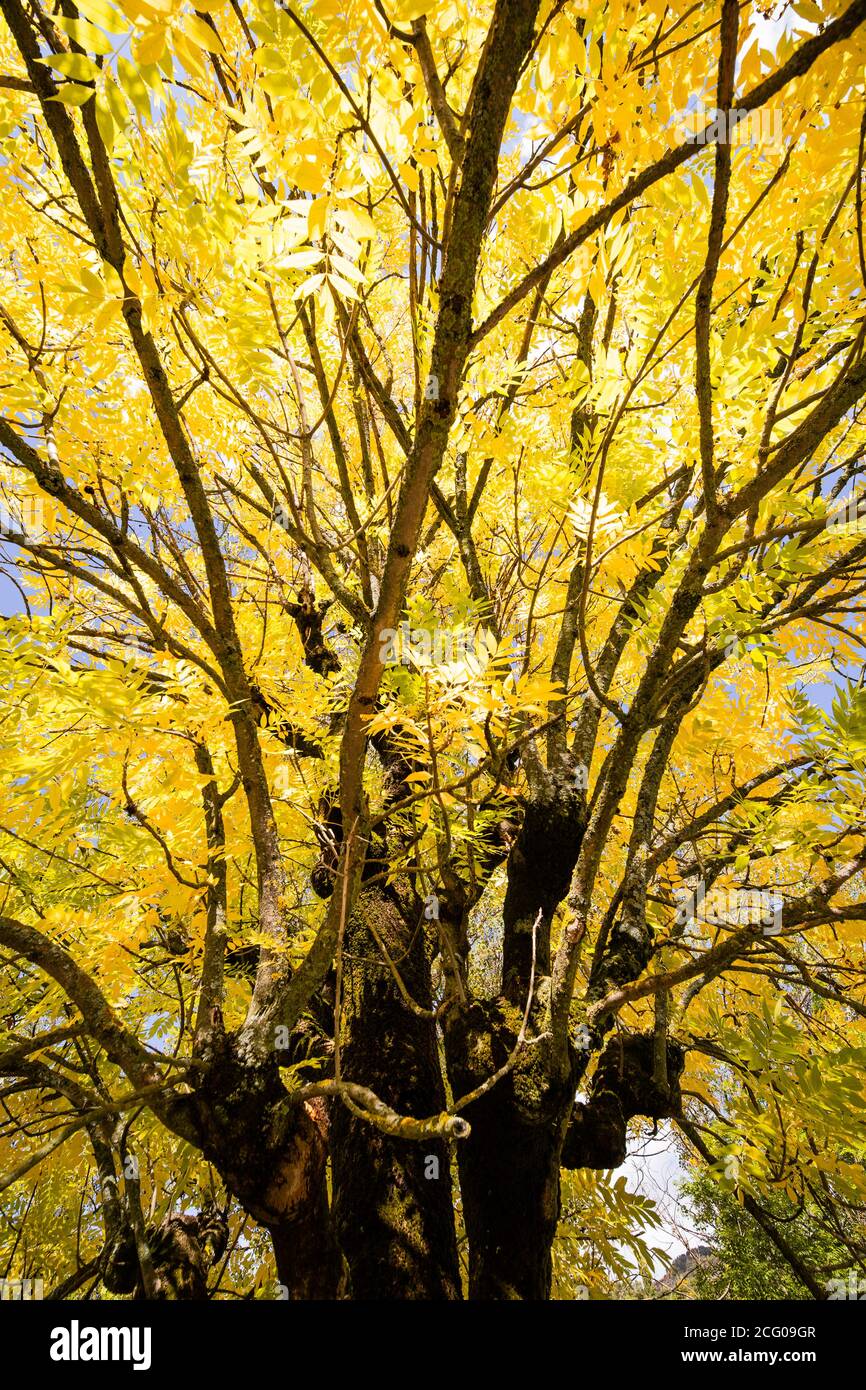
[[540, 866], [306, 1252], [272, 1156], [509, 1165], [393, 1202]]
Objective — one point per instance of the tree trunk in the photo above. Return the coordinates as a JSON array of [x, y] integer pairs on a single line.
[[540, 866], [509, 1165], [274, 1161], [393, 1202], [306, 1252]]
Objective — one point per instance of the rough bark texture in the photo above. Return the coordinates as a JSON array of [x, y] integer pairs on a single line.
[[509, 1165], [624, 1085], [307, 1255], [394, 1218], [181, 1249], [540, 866], [272, 1156]]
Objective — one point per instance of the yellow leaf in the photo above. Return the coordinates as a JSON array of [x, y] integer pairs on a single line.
[[346, 290], [76, 65], [307, 176], [189, 55], [403, 10], [85, 34], [359, 222], [410, 177], [202, 34], [344, 267], [104, 315], [278, 84], [131, 81], [316, 218], [100, 12], [113, 99], [105, 122], [71, 94], [309, 286], [113, 282], [151, 45]]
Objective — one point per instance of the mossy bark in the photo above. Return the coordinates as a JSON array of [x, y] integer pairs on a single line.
[[393, 1202], [540, 866], [306, 1252], [509, 1165], [274, 1162]]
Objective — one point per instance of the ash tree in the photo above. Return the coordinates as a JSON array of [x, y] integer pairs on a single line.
[[433, 726]]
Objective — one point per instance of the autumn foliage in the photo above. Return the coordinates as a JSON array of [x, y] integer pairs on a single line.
[[433, 726]]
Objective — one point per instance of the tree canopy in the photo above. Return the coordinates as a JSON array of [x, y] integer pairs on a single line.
[[433, 716]]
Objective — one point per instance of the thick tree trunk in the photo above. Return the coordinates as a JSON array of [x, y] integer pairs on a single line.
[[540, 866], [624, 1085], [306, 1252], [273, 1159], [393, 1202], [509, 1165]]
